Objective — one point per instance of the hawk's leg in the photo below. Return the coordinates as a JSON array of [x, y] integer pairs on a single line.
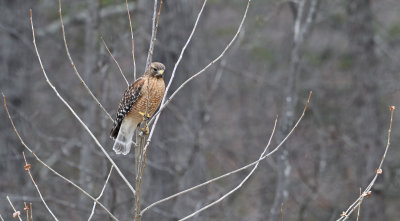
[[145, 129]]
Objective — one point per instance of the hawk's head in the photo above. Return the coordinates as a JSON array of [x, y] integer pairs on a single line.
[[156, 69]]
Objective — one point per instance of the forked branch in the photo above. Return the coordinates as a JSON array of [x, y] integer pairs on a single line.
[[237, 170], [74, 113], [48, 167], [238, 186], [74, 67], [27, 167]]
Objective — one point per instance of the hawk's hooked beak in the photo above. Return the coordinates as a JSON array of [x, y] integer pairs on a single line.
[[159, 73]]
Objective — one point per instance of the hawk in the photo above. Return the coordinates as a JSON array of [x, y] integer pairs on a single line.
[[145, 93]]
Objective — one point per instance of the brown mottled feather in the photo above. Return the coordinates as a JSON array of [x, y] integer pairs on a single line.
[[131, 95]]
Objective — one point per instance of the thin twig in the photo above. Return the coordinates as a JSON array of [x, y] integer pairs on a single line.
[[240, 184], [132, 41], [116, 62], [156, 116], [237, 170], [48, 167], [30, 204], [142, 152], [28, 168], [367, 191], [101, 193], [282, 212], [74, 113], [26, 208], [74, 67], [1, 218], [15, 211], [359, 207], [183, 51], [153, 36]]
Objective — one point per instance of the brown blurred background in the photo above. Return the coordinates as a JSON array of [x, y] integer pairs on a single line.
[[221, 121]]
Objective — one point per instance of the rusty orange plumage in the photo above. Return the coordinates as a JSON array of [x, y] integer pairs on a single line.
[[148, 88]]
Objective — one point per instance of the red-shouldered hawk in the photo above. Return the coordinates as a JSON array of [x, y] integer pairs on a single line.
[[133, 106]]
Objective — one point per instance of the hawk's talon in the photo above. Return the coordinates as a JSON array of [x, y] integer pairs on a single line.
[[145, 129], [144, 115]]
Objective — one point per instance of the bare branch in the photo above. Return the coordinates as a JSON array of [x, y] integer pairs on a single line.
[[163, 105], [1, 218], [74, 67], [240, 184], [183, 51], [74, 113], [153, 33], [359, 207], [44, 164], [132, 41], [116, 62], [18, 213], [101, 193], [345, 214], [27, 167], [30, 204], [237, 170]]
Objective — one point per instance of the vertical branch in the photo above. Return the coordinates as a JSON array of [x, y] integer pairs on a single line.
[[26, 208], [27, 167], [300, 30], [359, 207], [132, 41], [153, 33], [140, 150], [30, 204]]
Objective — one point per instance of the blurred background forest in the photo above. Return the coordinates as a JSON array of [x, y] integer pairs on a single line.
[[221, 121]]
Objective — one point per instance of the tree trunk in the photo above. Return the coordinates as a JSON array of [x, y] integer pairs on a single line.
[[87, 161]]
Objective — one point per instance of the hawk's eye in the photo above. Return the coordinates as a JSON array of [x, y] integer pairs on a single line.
[[155, 69]]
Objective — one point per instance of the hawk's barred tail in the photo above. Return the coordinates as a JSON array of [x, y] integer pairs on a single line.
[[123, 141]]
